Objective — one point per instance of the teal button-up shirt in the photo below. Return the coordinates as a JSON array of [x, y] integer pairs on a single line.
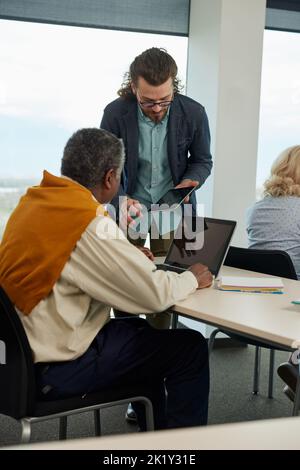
[[154, 177]]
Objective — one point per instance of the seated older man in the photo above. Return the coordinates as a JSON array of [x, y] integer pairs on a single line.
[[64, 263]]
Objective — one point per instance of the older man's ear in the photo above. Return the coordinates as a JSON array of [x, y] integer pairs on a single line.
[[105, 191]]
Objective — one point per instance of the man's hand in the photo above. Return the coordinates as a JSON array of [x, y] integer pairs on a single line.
[[130, 210], [186, 184], [202, 274], [146, 252]]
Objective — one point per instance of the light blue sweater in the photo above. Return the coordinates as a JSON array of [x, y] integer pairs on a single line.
[[274, 224]]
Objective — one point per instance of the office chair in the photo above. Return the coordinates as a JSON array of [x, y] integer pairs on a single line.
[[18, 390], [275, 263]]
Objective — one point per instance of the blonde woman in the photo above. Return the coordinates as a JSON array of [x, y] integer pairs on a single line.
[[274, 222]]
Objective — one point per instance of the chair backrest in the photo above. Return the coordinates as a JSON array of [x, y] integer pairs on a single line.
[[17, 382], [273, 262]]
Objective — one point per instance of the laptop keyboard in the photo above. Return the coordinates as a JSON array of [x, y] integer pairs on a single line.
[[164, 267]]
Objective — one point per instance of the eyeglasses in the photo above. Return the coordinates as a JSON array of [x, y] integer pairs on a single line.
[[151, 104], [161, 104]]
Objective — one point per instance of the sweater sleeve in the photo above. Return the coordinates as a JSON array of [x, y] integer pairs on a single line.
[[110, 269]]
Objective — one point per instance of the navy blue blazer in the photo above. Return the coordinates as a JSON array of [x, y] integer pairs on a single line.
[[188, 139]]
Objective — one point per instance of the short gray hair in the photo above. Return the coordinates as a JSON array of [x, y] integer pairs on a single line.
[[89, 154]]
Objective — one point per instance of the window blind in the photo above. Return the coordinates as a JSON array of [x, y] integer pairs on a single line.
[[283, 15], [152, 16]]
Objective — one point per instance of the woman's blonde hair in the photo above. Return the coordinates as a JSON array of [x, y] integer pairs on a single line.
[[285, 174]]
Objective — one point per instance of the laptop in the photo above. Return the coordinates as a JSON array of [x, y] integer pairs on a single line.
[[209, 245]]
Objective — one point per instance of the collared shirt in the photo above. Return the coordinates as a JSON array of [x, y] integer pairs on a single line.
[[154, 176], [104, 270]]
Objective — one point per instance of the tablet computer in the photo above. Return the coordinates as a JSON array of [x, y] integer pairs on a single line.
[[173, 198]]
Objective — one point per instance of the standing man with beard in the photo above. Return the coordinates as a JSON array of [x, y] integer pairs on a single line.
[[167, 143], [165, 134]]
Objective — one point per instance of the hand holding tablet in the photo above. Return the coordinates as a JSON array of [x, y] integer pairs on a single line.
[[173, 198]]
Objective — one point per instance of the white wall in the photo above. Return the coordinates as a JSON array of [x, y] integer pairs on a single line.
[[224, 74]]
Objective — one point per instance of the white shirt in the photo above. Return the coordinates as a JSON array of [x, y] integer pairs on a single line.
[[104, 270]]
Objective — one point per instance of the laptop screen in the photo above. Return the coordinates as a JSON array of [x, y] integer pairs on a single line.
[[201, 240]]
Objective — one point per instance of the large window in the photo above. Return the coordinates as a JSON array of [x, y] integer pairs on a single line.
[[280, 99], [55, 80]]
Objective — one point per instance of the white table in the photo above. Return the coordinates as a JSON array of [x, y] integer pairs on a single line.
[[269, 434], [268, 317], [271, 318]]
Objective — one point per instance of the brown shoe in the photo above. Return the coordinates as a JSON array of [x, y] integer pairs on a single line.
[[289, 392], [289, 374]]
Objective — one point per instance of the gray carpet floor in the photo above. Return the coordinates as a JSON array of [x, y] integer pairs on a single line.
[[231, 400]]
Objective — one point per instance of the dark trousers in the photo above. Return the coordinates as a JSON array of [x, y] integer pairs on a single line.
[[172, 363]]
